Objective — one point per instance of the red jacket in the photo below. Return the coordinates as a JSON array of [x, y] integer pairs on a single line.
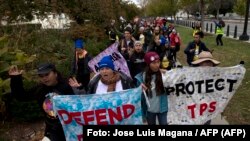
[[174, 39]]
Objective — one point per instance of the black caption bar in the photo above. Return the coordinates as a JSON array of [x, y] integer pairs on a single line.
[[240, 132]]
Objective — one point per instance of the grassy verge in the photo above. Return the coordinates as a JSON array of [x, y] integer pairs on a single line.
[[233, 51]]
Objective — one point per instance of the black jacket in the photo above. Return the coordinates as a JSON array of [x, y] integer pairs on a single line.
[[192, 45], [137, 63], [85, 61]]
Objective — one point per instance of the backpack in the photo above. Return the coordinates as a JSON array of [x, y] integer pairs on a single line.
[[222, 23]]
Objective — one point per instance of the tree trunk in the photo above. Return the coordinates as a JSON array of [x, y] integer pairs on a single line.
[[217, 13], [218, 6]]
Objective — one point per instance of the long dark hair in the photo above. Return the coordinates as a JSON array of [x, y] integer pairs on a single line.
[[158, 81], [60, 78]]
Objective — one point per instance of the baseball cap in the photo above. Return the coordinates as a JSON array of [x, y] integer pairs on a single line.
[[45, 68]]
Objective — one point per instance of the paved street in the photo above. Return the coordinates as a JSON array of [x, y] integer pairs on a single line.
[[231, 23]]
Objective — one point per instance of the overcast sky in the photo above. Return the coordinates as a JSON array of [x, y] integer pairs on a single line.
[[134, 1]]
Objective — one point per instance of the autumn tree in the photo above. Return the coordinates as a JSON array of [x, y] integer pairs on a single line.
[[189, 6], [216, 7], [240, 7], [17, 10], [162, 8], [79, 10]]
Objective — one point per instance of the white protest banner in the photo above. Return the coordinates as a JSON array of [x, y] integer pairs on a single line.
[[119, 62], [198, 94], [119, 108]]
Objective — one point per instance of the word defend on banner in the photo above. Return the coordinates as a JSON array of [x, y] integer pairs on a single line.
[[173, 131], [119, 62], [198, 94], [116, 108]]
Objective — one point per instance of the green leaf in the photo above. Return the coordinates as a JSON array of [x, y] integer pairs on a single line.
[[5, 85], [3, 50], [3, 38], [4, 66], [30, 59], [20, 56]]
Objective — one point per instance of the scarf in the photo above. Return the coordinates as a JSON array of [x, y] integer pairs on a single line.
[[112, 82]]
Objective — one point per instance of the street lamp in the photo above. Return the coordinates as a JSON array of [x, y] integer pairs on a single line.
[[244, 35]]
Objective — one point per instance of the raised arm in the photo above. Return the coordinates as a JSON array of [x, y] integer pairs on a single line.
[[16, 84]]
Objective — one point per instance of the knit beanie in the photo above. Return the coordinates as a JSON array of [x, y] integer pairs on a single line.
[[151, 57], [79, 43], [106, 61]]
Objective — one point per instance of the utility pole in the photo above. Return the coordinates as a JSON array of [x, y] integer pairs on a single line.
[[244, 35]]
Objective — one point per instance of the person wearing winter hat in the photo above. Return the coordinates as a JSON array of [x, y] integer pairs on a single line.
[[155, 103], [109, 79], [137, 60], [79, 43], [107, 62], [80, 67]]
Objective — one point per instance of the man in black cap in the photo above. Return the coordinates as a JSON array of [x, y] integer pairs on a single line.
[[51, 83]]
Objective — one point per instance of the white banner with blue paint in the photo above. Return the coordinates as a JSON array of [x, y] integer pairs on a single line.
[[115, 108]]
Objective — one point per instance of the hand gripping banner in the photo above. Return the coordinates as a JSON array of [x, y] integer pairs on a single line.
[[116, 108]]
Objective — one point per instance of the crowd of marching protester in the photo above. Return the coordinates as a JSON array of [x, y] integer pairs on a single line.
[[150, 49]]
